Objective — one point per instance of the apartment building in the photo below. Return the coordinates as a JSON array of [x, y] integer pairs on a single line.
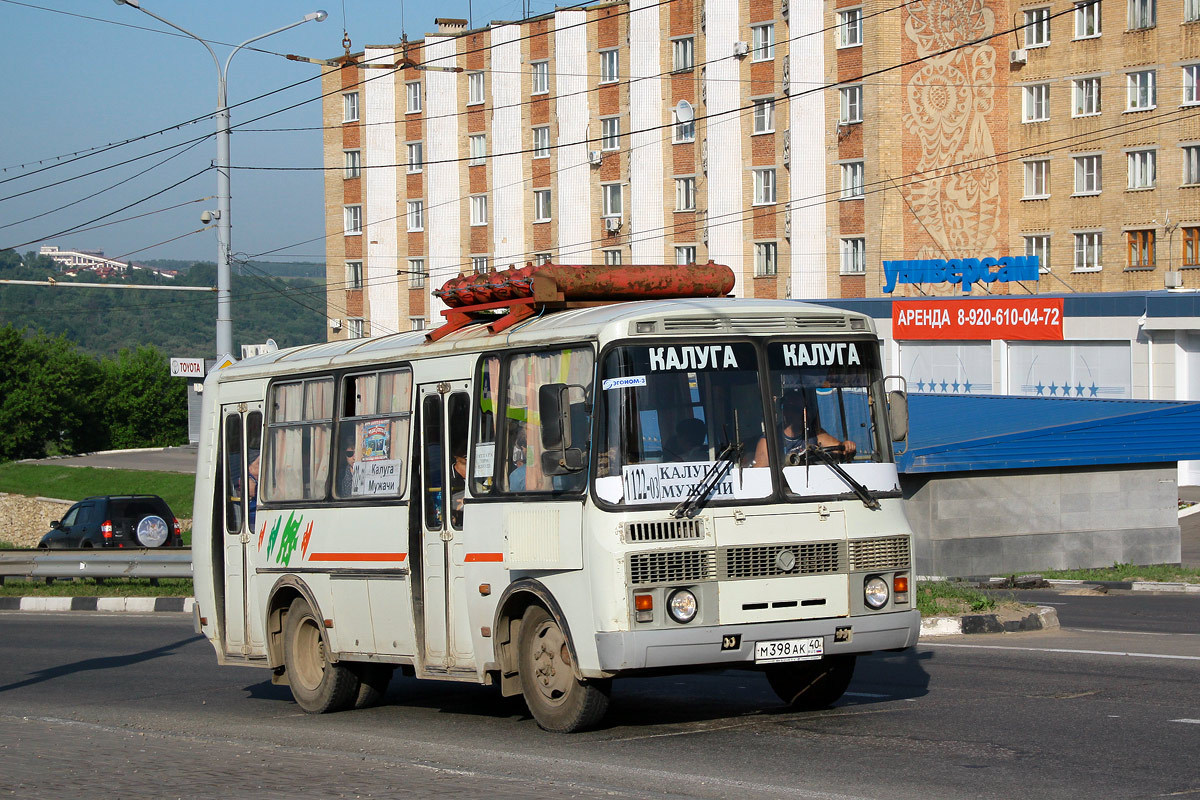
[[803, 144]]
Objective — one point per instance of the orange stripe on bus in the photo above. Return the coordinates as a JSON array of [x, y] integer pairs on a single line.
[[477, 557], [358, 556]]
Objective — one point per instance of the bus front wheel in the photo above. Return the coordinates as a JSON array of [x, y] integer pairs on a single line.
[[812, 685], [318, 684], [559, 701]]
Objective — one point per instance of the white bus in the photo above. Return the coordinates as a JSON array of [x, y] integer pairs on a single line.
[[600, 492]]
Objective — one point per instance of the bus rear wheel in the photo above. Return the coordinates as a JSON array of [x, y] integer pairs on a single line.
[[318, 684], [812, 685], [559, 702]]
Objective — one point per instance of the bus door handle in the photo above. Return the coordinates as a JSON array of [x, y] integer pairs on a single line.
[[447, 535]]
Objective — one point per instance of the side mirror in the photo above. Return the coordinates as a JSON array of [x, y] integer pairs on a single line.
[[561, 462], [55, 525], [897, 401], [554, 407]]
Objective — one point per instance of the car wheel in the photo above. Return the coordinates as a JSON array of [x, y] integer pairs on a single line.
[[318, 684], [86, 545], [559, 701], [152, 531], [812, 685], [373, 683]]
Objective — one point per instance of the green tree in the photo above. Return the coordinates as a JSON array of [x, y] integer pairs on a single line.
[[141, 404]]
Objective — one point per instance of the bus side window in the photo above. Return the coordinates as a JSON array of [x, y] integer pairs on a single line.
[[431, 429], [235, 486], [457, 419], [482, 481]]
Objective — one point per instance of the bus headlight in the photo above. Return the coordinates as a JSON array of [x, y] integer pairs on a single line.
[[875, 592], [682, 606]]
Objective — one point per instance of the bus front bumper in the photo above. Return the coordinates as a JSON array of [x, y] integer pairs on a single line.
[[619, 651]]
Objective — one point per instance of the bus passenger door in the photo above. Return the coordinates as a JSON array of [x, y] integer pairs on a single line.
[[241, 442], [444, 433]]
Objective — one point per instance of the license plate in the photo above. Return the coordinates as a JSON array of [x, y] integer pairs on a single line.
[[789, 650]]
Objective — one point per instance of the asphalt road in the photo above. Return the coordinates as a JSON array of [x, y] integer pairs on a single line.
[[95, 705]]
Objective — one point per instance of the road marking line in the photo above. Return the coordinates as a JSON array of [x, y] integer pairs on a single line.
[[1134, 633], [1192, 721], [1064, 650], [865, 694]]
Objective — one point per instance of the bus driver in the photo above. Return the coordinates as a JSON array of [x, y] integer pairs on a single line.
[[793, 438]]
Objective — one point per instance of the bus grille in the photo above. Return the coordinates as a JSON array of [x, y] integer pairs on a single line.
[[764, 561], [665, 530], [891, 552], [674, 566]]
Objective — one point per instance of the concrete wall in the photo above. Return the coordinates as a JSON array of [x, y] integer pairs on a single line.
[[996, 523]]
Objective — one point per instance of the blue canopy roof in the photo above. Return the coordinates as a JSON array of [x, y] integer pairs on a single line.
[[952, 433]]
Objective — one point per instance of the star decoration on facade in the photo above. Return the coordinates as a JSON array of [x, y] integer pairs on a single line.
[[1093, 389], [1053, 389], [1040, 388], [920, 386], [944, 385], [955, 385], [967, 387]]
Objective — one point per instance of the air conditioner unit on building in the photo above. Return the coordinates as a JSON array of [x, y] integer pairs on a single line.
[[595, 157], [1018, 56], [335, 324], [741, 49], [1173, 279], [612, 224]]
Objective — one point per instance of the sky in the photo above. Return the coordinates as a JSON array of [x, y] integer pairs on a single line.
[[85, 76]]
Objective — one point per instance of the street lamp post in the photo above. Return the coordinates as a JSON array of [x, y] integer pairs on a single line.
[[223, 220]]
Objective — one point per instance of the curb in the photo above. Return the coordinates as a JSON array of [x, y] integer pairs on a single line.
[[1042, 618], [1132, 586], [135, 605]]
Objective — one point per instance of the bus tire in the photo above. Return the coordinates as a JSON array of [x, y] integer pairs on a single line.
[[559, 702], [318, 684], [812, 685], [373, 680]]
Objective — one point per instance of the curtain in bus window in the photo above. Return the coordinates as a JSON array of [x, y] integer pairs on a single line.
[[289, 402], [483, 468], [527, 373]]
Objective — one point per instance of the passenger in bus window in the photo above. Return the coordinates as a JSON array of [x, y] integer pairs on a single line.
[[349, 456], [793, 437]]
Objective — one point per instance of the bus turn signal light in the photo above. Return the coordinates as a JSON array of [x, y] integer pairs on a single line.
[[643, 602], [900, 584]]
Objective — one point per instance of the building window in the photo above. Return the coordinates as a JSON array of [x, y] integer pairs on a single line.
[[1139, 249], [851, 104], [852, 180], [610, 66], [764, 186], [352, 219], [1088, 247], [684, 131], [416, 273], [1039, 246], [416, 215], [1087, 174], [1191, 84], [479, 264], [474, 88], [685, 194], [612, 258], [416, 156], [1141, 169], [764, 116], [541, 141], [416, 323], [1087, 19], [541, 258], [414, 97], [763, 42], [477, 149], [610, 133], [353, 163], [1191, 165], [766, 258], [1142, 93], [1085, 94], [1191, 246], [354, 275], [1036, 103], [1037, 179], [1037, 27], [685, 254], [479, 209], [1141, 14], [1191, 10], [611, 198], [354, 328], [684, 53], [541, 205], [849, 28], [854, 256], [541, 77], [350, 107]]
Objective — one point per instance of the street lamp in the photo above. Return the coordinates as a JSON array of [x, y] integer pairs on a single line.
[[222, 216]]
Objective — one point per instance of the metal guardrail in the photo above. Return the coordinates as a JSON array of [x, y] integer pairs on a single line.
[[96, 564]]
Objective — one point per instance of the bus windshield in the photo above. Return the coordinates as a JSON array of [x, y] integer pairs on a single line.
[[666, 413]]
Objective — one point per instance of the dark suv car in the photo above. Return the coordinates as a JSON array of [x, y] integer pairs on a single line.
[[140, 520]]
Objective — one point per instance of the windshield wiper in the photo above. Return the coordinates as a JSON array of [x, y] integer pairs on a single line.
[[821, 453], [732, 454]]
